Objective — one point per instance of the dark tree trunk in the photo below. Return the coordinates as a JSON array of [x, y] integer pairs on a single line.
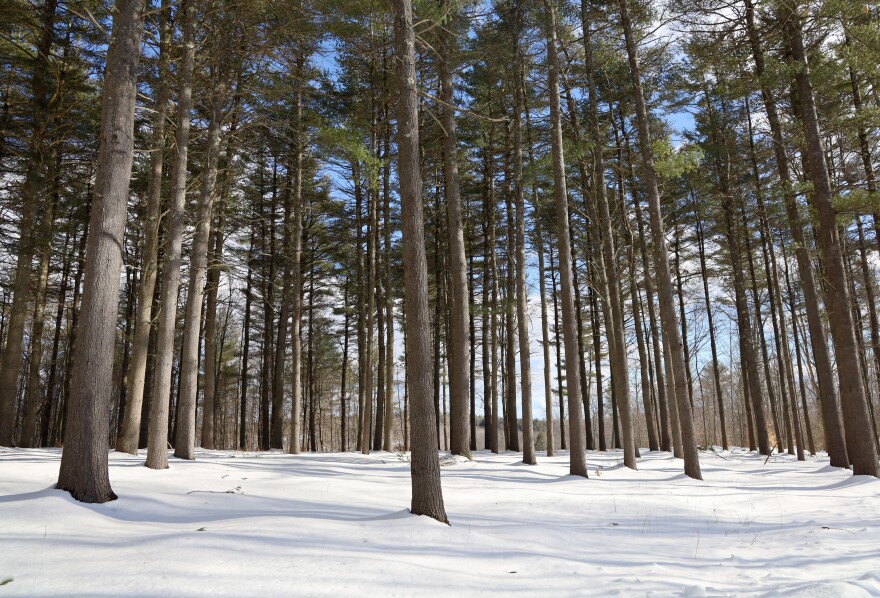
[[578, 461], [427, 496], [834, 436], [459, 350], [860, 447]]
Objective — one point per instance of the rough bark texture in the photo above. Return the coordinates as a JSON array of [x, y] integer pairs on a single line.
[[578, 461], [84, 470], [427, 495], [617, 324]]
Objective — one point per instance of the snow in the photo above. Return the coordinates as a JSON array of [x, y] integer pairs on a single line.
[[271, 524]]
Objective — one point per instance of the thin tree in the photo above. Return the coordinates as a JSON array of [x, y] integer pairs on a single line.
[[459, 347], [157, 452], [577, 460]]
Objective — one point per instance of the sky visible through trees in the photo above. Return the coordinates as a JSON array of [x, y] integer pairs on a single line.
[[317, 226]]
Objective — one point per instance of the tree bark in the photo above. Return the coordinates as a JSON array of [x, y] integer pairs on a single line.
[[578, 461], [661, 257], [716, 374], [427, 495], [84, 468], [859, 436], [542, 289], [33, 394], [157, 452], [293, 446], [459, 349], [522, 293], [834, 434], [128, 439], [617, 325], [184, 447]]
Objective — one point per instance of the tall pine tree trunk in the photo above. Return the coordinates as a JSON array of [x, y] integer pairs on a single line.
[[459, 349], [157, 452], [427, 496], [578, 461], [661, 257], [293, 446], [84, 468], [184, 447], [522, 294], [859, 436], [617, 324], [834, 435], [127, 441]]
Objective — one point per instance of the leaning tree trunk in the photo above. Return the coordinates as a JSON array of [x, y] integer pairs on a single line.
[[661, 257], [427, 495], [84, 469], [157, 453], [578, 461], [656, 346]]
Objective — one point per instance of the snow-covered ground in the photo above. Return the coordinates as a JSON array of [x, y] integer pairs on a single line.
[[271, 524]]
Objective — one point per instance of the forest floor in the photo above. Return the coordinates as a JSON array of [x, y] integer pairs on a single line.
[[272, 524]]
